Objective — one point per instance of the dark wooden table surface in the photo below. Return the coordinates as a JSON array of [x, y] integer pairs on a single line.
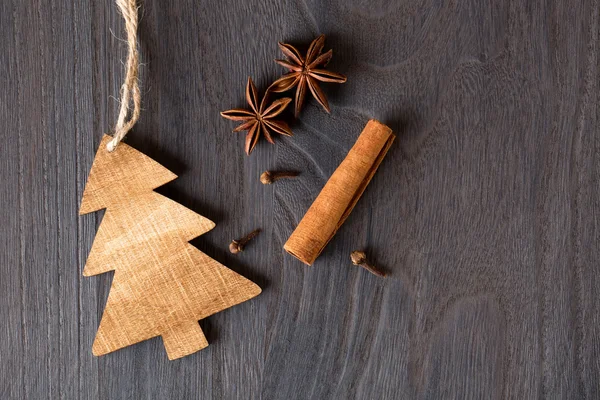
[[485, 212]]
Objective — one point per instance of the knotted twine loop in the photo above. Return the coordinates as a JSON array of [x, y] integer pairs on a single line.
[[130, 90]]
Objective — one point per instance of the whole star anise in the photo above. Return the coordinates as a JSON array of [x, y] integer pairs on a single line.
[[304, 72], [260, 118]]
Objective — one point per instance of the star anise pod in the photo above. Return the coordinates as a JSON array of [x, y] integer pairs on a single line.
[[305, 72], [259, 118]]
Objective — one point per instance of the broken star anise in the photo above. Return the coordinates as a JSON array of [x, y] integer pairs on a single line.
[[305, 72], [259, 118]]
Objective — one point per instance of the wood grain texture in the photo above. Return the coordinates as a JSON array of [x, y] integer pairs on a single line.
[[162, 285], [485, 212]]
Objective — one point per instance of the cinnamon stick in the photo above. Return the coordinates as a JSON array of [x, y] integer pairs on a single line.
[[340, 194]]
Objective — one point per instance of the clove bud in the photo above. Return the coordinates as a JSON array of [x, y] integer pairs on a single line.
[[360, 258], [268, 177], [236, 246]]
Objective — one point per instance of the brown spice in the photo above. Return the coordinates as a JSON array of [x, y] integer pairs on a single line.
[[304, 72], [260, 118], [339, 195], [360, 258], [269, 177], [237, 246]]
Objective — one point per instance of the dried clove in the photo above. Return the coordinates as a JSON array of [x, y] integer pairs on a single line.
[[237, 246], [268, 177], [360, 258]]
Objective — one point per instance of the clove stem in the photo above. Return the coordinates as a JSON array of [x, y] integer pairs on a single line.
[[269, 177], [359, 258], [236, 246]]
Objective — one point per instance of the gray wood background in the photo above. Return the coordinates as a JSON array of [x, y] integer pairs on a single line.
[[485, 213]]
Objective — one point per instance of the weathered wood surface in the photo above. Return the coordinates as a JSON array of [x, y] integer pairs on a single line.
[[485, 212]]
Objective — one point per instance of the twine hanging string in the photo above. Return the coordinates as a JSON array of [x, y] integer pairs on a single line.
[[130, 91]]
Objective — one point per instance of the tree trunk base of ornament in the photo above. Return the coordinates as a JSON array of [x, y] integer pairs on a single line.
[[184, 339]]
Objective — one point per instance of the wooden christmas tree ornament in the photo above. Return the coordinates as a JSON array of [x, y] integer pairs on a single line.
[[162, 284]]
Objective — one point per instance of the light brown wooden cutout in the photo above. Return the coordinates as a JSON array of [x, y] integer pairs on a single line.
[[162, 284]]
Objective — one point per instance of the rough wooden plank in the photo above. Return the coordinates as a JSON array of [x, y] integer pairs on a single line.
[[485, 211], [11, 266], [31, 138], [85, 119]]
